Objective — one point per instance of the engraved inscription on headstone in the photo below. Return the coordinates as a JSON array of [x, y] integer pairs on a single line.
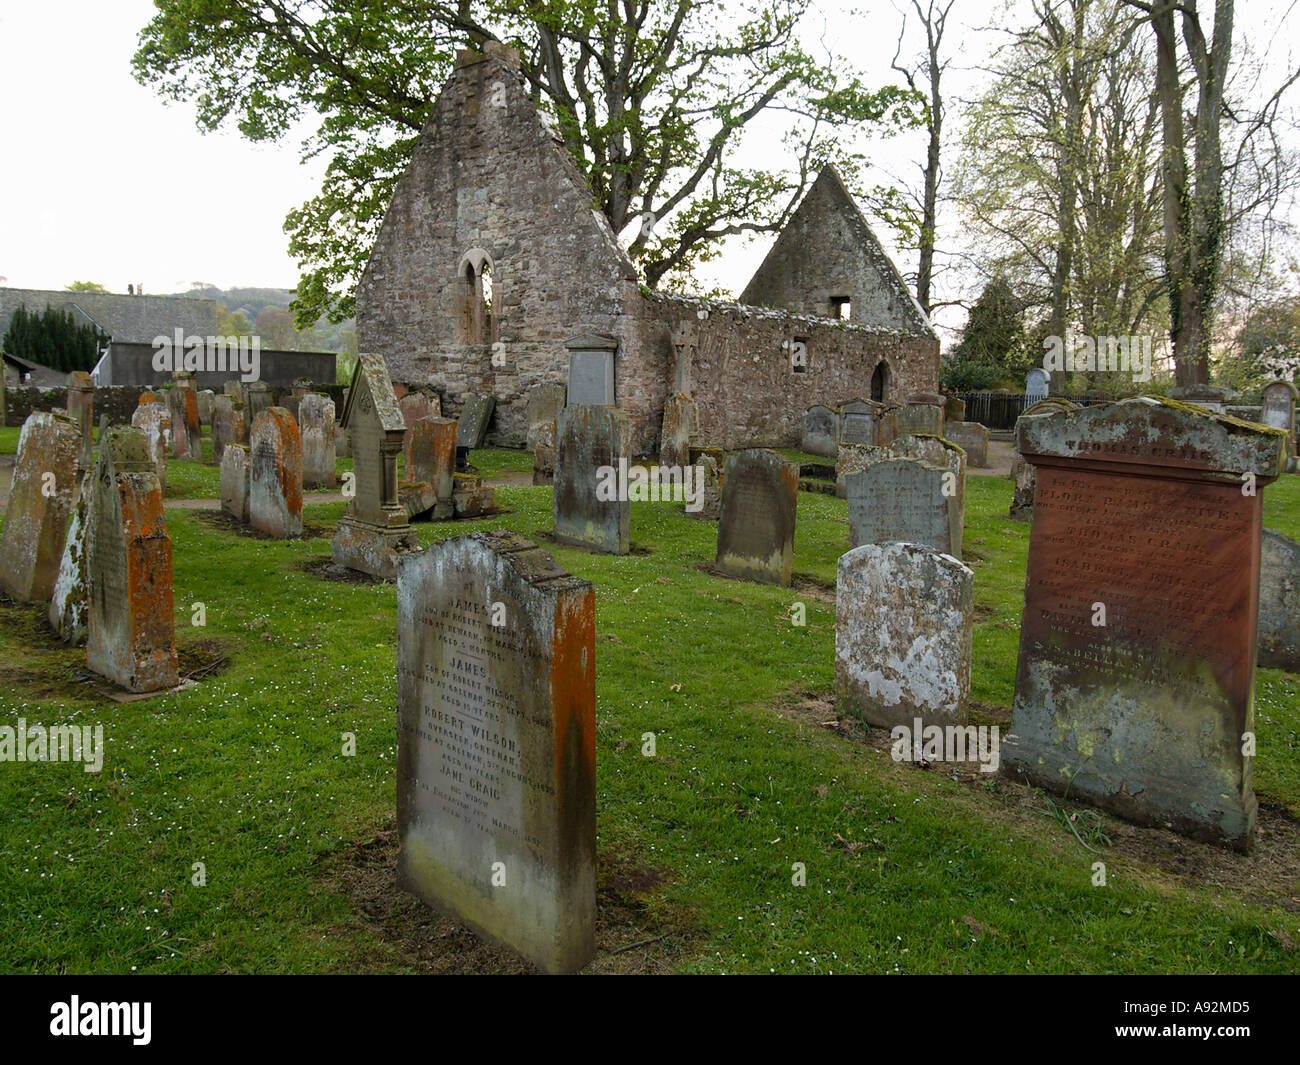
[[756, 529]]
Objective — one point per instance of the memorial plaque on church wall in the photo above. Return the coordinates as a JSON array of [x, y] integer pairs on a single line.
[[589, 450], [496, 744], [760, 492], [591, 371], [1147, 518], [907, 501]]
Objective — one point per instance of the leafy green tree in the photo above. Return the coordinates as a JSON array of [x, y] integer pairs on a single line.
[[652, 98], [85, 286], [53, 338], [993, 351]]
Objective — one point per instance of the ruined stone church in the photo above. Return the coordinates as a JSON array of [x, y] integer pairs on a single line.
[[493, 272]]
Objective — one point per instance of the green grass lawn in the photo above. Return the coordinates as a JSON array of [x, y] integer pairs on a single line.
[[908, 870]]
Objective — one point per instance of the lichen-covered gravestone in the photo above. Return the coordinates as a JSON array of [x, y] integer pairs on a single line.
[[81, 409], [820, 431], [972, 438], [760, 492], [709, 465], [1279, 603], [129, 618], [68, 600], [151, 416], [374, 531], [187, 440], [1135, 684], [927, 450], [430, 468], [922, 414], [275, 474], [227, 424], [204, 399], [545, 401], [41, 498], [1022, 473], [1278, 408], [234, 482], [474, 418], [675, 434], [902, 499], [316, 423], [903, 635], [496, 744], [589, 459]]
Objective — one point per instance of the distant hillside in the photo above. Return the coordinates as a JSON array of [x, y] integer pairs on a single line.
[[266, 310]]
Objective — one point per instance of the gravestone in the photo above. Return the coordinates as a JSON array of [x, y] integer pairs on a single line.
[[414, 406], [709, 465], [1022, 473], [1212, 397], [1037, 383], [677, 430], [41, 498], [1279, 603], [954, 410], [431, 468], [205, 399], [316, 424], [275, 474], [1278, 410], [130, 626], [257, 398], [234, 482], [903, 617], [545, 401], [151, 416], [1135, 683], [972, 438], [590, 458], [234, 390], [902, 499], [69, 598], [374, 531], [591, 371], [756, 528], [81, 408], [858, 420], [475, 415], [227, 424], [927, 450], [922, 415], [183, 409], [496, 744], [821, 431]]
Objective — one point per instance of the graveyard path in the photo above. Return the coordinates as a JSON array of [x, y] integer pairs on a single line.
[[1001, 455]]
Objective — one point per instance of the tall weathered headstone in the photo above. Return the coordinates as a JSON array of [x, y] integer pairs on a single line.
[[431, 466], [471, 430], [820, 431], [902, 499], [496, 744], [760, 493], [187, 439], [129, 619], [316, 423], [81, 409], [1135, 684], [275, 474], [903, 617], [70, 597], [545, 401], [972, 438], [1278, 409], [675, 434], [1279, 603], [589, 457], [414, 406], [205, 399], [374, 530], [591, 371], [41, 498], [151, 416], [1037, 383], [227, 424], [234, 482], [257, 398]]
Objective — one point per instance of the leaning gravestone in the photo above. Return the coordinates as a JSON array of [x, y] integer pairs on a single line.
[[374, 531], [545, 401], [316, 424], [41, 498], [972, 438], [275, 474], [902, 499], [1135, 684], [1278, 408], [820, 431], [152, 417], [81, 408], [676, 432], [1279, 603], [903, 635], [496, 744], [589, 459], [234, 482], [760, 492], [130, 625], [475, 415]]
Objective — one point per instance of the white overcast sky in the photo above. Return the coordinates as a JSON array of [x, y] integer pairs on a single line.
[[104, 181]]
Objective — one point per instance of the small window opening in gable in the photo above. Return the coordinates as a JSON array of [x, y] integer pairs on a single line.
[[799, 355], [841, 307]]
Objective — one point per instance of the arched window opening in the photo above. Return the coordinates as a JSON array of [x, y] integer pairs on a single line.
[[880, 383]]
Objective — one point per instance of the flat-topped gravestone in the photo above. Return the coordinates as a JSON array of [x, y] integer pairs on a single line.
[[130, 625], [316, 424], [972, 438], [227, 424], [902, 499], [820, 431], [760, 493], [81, 409], [41, 498], [545, 401], [591, 371], [954, 410], [1278, 409], [414, 406], [927, 450], [374, 531], [1135, 683], [1278, 641], [858, 421], [589, 459], [431, 463], [151, 416], [257, 398], [234, 482], [1212, 397], [922, 414], [677, 430], [903, 617], [471, 430], [275, 474], [496, 744]]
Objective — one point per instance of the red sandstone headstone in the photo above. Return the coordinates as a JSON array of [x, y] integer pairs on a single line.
[[1135, 684], [275, 474], [431, 459], [130, 621], [40, 500]]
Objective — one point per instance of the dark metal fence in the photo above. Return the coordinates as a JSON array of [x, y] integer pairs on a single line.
[[993, 410]]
